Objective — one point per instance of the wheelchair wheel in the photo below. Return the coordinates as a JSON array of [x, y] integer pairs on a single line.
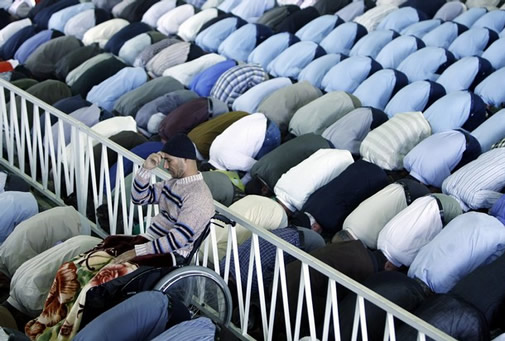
[[202, 290]]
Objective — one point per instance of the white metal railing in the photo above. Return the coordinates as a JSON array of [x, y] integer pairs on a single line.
[[30, 151]]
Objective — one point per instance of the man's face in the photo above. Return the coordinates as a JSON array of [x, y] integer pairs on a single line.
[[176, 166]]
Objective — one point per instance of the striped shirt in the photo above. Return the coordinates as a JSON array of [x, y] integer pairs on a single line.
[[477, 184], [500, 144], [236, 81], [186, 207], [387, 145]]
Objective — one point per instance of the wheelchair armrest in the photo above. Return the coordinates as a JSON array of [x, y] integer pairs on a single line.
[[224, 219]]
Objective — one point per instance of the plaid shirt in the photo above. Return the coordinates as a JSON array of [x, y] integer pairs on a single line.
[[236, 81]]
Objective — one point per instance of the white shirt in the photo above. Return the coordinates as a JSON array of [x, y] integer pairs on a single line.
[[402, 238], [156, 11], [236, 147], [370, 217], [169, 22], [297, 184], [371, 18], [11, 29], [387, 145], [103, 32], [185, 72], [190, 28], [261, 211]]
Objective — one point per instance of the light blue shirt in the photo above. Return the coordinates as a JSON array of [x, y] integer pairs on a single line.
[[133, 47], [423, 64], [352, 10], [239, 44], [421, 28], [414, 97], [203, 82], [268, 50], [371, 44], [228, 5], [376, 90], [462, 74], [443, 35], [399, 19], [210, 38], [498, 209], [494, 20], [450, 112], [78, 25], [434, 158], [349, 73], [292, 60], [397, 50], [252, 10], [469, 17], [108, 92], [495, 55], [317, 29], [59, 19], [472, 42], [16, 207], [491, 88], [31, 44], [315, 71], [467, 242], [253, 97], [343, 38], [202, 329], [491, 131]]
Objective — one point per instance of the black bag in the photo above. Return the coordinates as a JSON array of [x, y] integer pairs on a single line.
[[105, 296]]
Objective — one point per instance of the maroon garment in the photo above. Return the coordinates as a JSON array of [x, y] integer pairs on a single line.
[[184, 118]]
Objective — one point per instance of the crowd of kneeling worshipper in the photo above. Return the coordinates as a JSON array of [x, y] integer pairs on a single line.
[[370, 134]]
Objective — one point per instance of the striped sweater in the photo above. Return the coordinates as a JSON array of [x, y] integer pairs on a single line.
[[186, 206]]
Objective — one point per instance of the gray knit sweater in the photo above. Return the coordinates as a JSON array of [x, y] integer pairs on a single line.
[[186, 206]]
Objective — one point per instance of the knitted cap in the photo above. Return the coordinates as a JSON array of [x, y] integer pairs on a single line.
[[181, 146]]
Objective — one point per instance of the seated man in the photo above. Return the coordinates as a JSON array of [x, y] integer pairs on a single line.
[[186, 207], [186, 204]]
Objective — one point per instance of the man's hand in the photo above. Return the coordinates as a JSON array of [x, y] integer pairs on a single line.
[[154, 160], [124, 257]]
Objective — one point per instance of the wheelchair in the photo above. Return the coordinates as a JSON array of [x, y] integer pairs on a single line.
[[201, 289]]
